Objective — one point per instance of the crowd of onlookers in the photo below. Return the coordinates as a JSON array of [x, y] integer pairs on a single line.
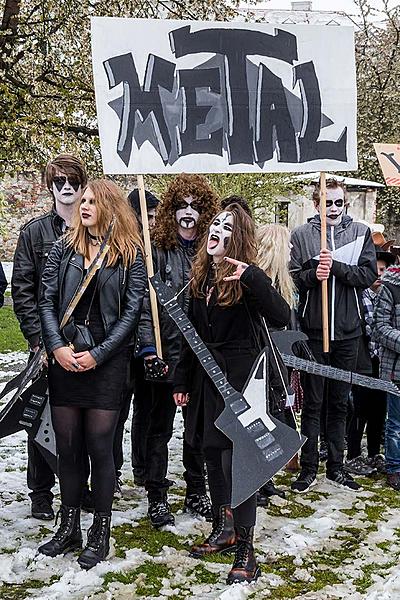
[[229, 273]]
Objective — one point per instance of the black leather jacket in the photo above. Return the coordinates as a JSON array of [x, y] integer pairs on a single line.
[[121, 293], [174, 266], [3, 285], [34, 244]]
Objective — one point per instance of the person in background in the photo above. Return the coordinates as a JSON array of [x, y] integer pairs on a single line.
[[273, 256], [187, 207], [65, 178], [348, 264], [369, 406], [3, 285], [86, 388], [386, 332], [142, 390]]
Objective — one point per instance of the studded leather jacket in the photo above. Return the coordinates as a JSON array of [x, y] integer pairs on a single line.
[[33, 247], [174, 266]]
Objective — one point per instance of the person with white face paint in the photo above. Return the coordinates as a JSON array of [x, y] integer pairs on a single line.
[[349, 266], [187, 207], [228, 295], [65, 179], [187, 216], [219, 235]]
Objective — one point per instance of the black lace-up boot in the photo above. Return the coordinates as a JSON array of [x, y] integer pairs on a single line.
[[68, 536], [245, 568], [222, 537], [198, 505], [160, 514], [98, 541]]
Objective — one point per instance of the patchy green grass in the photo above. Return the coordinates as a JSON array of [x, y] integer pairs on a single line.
[[11, 338], [144, 536], [17, 591], [290, 510], [147, 578], [202, 575]]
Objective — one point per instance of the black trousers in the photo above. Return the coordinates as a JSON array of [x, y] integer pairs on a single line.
[[343, 355], [160, 431], [219, 471], [40, 477], [118, 451], [142, 403], [369, 408]]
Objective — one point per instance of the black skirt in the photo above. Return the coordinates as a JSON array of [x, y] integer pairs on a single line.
[[103, 387]]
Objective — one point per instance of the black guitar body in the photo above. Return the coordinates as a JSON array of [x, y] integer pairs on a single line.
[[261, 444], [31, 411]]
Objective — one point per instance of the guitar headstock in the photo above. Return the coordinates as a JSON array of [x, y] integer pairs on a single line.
[[163, 292]]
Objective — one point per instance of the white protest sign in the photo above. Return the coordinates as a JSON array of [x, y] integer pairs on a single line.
[[210, 97]]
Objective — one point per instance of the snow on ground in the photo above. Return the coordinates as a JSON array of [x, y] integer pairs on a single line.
[[326, 544]]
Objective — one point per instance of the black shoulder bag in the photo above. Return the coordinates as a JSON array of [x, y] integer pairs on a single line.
[[78, 336]]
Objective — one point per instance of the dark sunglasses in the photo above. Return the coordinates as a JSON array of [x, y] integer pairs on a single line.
[[338, 203]]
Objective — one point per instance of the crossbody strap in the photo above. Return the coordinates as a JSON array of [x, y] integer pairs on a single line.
[[94, 267]]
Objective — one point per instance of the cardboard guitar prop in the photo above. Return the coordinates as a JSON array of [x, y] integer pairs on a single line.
[[262, 445], [285, 340], [29, 408]]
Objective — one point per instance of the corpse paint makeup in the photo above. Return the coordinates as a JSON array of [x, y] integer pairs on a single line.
[[66, 189], [334, 205], [188, 213], [219, 234]]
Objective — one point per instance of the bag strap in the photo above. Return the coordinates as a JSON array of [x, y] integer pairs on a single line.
[[94, 267], [270, 342]]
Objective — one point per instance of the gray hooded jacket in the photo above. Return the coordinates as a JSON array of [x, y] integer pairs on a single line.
[[353, 269]]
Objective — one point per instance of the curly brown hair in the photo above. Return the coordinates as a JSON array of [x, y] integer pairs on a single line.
[[241, 245], [165, 234]]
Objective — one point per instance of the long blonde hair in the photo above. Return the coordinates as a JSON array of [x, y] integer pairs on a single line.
[[111, 204], [241, 245], [273, 257]]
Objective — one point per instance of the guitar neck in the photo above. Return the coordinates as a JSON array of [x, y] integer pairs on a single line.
[[203, 354]]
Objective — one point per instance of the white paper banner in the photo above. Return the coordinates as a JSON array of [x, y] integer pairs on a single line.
[[208, 97]]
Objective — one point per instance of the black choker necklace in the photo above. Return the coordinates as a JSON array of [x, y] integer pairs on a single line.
[[94, 239]]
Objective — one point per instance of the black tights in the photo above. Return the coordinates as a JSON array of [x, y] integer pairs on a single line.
[[219, 471], [74, 428]]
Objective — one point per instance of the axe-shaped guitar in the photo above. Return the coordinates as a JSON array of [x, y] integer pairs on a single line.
[[262, 445]]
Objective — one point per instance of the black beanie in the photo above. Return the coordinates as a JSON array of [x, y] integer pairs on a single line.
[[151, 200]]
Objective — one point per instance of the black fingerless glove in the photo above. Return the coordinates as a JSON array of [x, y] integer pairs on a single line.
[[155, 369]]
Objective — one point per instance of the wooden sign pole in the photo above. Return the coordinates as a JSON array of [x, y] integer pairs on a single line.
[[149, 262], [324, 283]]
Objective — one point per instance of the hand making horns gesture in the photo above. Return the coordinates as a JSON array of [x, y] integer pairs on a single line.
[[240, 268]]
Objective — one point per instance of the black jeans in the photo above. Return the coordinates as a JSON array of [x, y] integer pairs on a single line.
[[160, 431], [370, 412], [40, 476], [219, 471], [123, 415], [142, 403], [343, 355]]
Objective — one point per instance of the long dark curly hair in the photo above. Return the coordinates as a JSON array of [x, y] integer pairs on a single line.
[[165, 231], [241, 245]]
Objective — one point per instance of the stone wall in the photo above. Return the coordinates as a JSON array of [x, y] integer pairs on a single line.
[[25, 197]]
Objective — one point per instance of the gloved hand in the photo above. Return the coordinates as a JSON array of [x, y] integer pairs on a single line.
[[155, 368]]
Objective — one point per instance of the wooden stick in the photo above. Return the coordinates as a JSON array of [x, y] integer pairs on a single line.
[[324, 283], [149, 262]]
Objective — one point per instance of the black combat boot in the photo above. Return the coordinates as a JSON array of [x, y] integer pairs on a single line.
[[98, 541], [222, 537], [245, 568], [68, 536]]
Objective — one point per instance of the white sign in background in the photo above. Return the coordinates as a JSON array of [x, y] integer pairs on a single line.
[[159, 111]]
